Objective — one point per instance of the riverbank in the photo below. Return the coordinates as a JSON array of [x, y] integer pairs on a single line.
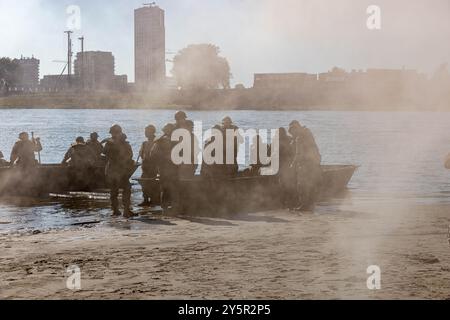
[[273, 255], [243, 99]]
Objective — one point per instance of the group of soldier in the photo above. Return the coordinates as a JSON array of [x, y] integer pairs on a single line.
[[300, 173]]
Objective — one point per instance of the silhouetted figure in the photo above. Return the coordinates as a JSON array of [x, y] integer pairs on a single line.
[[230, 169], [119, 168], [80, 159], [287, 174], [23, 151], [3, 162], [188, 170], [149, 168], [161, 155], [213, 170], [307, 160], [180, 120], [96, 147]]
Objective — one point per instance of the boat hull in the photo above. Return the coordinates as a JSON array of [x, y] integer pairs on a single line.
[[45, 179], [246, 194]]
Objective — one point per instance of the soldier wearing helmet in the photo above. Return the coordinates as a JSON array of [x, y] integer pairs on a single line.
[[180, 120], [149, 169], [119, 168], [230, 169], [161, 155], [307, 164], [24, 149]]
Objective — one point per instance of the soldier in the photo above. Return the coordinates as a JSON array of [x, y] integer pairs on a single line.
[[149, 169], [188, 170], [211, 171], [161, 155], [230, 170], [287, 180], [307, 160], [119, 168], [180, 120], [80, 159], [3, 162], [95, 146], [23, 151]]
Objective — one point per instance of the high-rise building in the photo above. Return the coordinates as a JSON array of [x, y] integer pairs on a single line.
[[28, 72], [95, 70], [150, 47]]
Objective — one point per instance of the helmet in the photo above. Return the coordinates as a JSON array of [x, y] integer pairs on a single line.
[[227, 120], [295, 123], [150, 129], [115, 129], [168, 128], [180, 115], [94, 135], [80, 140]]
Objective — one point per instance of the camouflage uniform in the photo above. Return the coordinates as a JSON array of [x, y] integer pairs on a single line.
[[119, 168], [307, 164], [149, 169], [161, 155], [81, 162], [23, 153]]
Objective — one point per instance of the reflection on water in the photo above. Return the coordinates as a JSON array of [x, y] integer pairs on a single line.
[[401, 154]]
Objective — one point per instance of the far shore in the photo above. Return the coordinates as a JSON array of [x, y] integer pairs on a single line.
[[209, 100]]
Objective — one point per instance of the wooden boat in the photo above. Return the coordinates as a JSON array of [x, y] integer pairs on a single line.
[[246, 194]]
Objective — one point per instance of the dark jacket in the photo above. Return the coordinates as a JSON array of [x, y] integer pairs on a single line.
[[119, 158], [23, 152]]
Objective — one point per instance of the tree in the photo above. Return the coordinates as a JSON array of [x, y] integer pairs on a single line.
[[199, 66], [8, 71]]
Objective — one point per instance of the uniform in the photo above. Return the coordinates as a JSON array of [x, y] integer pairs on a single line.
[[119, 168], [309, 172]]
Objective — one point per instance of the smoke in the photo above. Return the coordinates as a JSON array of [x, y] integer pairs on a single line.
[[255, 35]]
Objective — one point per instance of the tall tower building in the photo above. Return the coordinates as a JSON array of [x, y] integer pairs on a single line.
[[150, 47]]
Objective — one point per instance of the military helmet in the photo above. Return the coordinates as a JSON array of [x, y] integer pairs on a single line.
[[180, 115], [115, 129], [150, 129], [227, 120], [168, 128], [80, 140], [94, 135], [295, 123]]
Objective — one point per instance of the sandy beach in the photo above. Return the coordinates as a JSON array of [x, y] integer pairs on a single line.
[[272, 255]]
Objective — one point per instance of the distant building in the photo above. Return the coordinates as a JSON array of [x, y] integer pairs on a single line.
[[27, 73], [336, 75], [120, 83], [283, 80], [95, 69], [58, 82], [150, 47]]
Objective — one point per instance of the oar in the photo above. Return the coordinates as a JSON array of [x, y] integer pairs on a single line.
[[39, 153]]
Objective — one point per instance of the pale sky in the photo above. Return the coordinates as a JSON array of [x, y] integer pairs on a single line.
[[254, 35]]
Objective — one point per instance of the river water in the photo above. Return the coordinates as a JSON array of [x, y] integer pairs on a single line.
[[400, 154]]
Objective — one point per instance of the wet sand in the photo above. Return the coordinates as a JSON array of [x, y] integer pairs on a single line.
[[272, 255]]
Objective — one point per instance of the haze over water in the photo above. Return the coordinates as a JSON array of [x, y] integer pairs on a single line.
[[400, 154]]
